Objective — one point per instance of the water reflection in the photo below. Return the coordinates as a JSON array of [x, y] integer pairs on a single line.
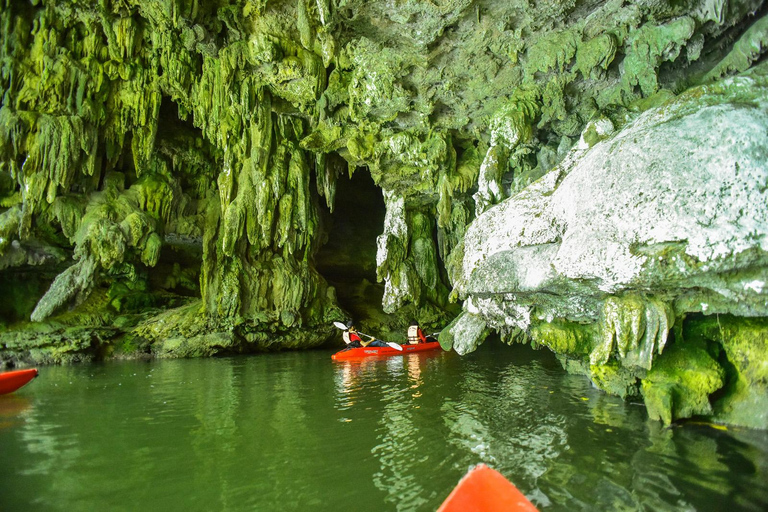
[[12, 408], [564, 444], [299, 432], [403, 452]]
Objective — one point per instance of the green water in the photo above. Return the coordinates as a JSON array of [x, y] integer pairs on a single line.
[[296, 431]]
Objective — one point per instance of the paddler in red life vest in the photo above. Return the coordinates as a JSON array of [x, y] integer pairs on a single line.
[[415, 335], [353, 339]]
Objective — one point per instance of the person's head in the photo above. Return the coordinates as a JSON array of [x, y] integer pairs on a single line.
[[414, 322], [352, 328]]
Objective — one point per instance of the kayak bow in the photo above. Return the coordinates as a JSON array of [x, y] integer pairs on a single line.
[[486, 490], [11, 381]]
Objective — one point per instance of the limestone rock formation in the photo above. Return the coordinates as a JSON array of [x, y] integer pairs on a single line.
[[184, 178], [663, 219]]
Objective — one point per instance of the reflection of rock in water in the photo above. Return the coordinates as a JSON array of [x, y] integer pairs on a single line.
[[702, 461], [497, 421], [11, 409], [403, 449], [632, 464]]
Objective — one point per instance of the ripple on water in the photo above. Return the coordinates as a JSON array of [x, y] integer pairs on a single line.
[[295, 431]]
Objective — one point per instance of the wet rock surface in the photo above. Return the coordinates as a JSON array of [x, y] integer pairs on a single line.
[[170, 170], [633, 241]]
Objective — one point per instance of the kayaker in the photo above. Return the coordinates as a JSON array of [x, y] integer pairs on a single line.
[[353, 340], [415, 335]]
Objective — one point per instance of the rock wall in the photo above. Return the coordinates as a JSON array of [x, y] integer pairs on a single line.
[[169, 169], [663, 220]]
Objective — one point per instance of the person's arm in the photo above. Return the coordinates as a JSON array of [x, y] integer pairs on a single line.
[[365, 343], [421, 336]]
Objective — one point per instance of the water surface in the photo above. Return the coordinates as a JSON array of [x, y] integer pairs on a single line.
[[296, 431]]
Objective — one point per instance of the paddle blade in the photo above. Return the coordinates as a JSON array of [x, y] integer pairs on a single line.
[[394, 345], [340, 326]]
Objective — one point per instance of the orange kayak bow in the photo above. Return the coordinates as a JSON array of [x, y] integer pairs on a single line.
[[486, 490], [11, 381]]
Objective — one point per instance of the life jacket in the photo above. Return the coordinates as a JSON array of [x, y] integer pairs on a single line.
[[414, 334], [350, 337]]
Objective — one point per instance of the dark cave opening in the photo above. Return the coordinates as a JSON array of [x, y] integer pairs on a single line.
[[177, 271], [23, 287], [348, 259]]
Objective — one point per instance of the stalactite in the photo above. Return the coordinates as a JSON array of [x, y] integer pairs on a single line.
[[510, 127], [749, 48], [127, 124], [75, 281], [649, 47], [392, 245], [633, 329]]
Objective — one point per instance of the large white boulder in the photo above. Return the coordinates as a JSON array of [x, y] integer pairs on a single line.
[[674, 205]]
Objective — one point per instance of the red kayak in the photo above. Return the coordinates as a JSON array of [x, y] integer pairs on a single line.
[[486, 490], [11, 381], [361, 352]]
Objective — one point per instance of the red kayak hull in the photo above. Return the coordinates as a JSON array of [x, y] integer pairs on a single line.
[[11, 381], [486, 490], [363, 352]]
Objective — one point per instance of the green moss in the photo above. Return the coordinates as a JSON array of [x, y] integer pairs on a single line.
[[649, 47], [374, 89], [744, 341], [513, 124], [198, 346], [591, 135], [633, 329], [615, 379], [563, 337], [453, 183], [681, 381], [750, 46], [594, 56], [130, 297], [552, 52], [10, 220]]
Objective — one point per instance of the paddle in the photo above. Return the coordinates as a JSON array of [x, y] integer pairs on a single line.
[[389, 343]]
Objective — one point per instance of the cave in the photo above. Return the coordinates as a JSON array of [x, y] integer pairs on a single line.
[[348, 259], [548, 172]]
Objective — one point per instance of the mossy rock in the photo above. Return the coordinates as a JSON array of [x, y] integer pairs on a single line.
[[744, 400], [681, 381], [562, 337], [205, 345], [615, 379]]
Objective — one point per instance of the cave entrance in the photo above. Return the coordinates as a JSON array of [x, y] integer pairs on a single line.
[[348, 259]]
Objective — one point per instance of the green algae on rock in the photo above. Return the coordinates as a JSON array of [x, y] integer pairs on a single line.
[[170, 171], [744, 343], [579, 245], [680, 383]]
